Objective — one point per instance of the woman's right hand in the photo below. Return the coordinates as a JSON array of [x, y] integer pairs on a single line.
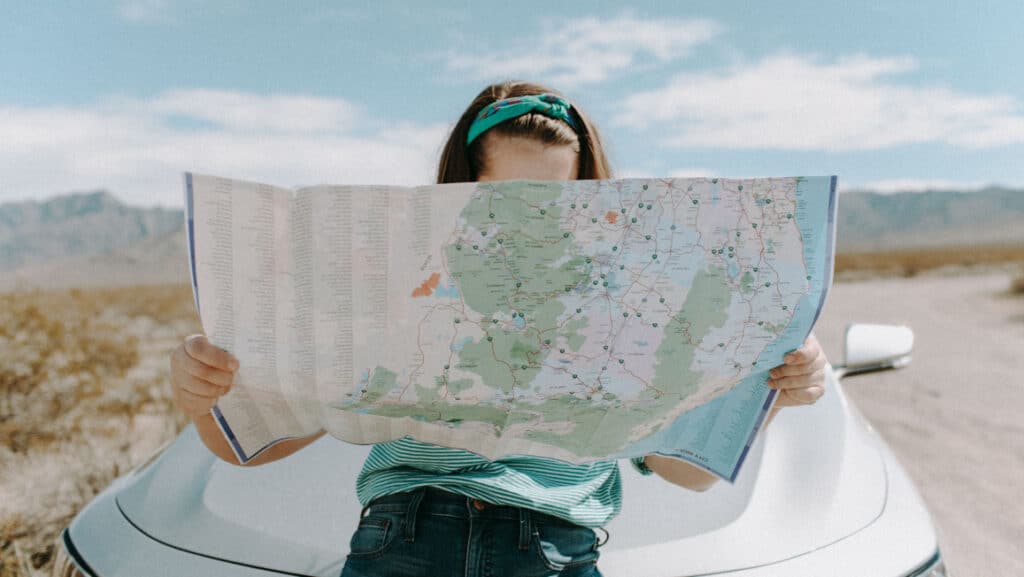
[[200, 374]]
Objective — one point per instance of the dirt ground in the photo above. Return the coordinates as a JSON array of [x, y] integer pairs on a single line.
[[954, 416]]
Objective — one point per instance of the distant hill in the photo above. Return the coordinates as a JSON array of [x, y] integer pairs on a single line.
[[89, 239], [94, 239], [870, 221], [150, 261], [76, 225]]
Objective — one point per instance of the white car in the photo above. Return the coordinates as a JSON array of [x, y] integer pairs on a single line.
[[820, 495]]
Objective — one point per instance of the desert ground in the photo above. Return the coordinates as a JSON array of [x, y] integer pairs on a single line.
[[84, 397], [953, 417]]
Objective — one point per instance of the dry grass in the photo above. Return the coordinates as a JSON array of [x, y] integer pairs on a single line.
[[83, 398], [908, 263], [1017, 286]]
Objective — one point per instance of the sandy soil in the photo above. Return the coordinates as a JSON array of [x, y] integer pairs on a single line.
[[954, 416]]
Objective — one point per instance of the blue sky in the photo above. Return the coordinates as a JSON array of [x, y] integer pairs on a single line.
[[127, 95]]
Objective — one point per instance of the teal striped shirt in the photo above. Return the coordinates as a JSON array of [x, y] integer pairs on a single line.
[[588, 494]]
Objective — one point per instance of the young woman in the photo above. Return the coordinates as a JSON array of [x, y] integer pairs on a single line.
[[435, 511]]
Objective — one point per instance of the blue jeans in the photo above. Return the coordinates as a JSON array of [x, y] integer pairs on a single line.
[[429, 532]]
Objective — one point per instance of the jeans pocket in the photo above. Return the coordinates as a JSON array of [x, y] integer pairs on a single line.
[[562, 547], [375, 533]]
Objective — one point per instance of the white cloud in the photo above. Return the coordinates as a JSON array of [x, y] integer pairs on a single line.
[[143, 11], [633, 172], [691, 172], [251, 112], [139, 148], [686, 172], [801, 103], [587, 50], [894, 185]]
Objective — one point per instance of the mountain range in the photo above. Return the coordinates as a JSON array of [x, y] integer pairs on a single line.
[[870, 222], [89, 239], [93, 238]]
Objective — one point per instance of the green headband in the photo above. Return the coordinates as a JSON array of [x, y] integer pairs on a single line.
[[502, 110]]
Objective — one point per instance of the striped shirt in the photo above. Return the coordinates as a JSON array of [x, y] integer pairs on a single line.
[[588, 494]]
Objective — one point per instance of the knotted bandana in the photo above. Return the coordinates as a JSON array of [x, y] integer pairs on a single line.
[[502, 110]]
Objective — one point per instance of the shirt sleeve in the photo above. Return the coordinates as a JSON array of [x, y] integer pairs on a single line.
[[638, 464]]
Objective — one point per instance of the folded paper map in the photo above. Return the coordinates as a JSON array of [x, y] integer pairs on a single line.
[[577, 320]]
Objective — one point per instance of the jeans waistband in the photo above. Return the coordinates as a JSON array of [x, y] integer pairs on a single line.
[[439, 501]]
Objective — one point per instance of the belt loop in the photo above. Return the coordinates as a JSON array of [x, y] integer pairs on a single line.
[[598, 543], [410, 514], [525, 528]]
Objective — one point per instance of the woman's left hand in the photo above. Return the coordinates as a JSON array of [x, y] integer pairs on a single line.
[[801, 380]]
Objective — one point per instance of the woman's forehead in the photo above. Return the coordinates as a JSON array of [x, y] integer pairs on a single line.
[[512, 157]]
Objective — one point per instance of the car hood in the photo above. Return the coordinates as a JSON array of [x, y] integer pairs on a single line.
[[814, 477]]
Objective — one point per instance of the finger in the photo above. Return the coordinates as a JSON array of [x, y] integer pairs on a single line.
[[782, 400], [817, 378], [205, 372], [190, 404], [200, 348], [195, 405], [804, 354], [819, 362], [805, 396], [202, 388]]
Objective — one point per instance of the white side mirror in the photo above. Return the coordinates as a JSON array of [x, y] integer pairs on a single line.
[[870, 348]]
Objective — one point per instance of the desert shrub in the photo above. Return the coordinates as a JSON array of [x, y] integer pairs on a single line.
[[911, 262], [1017, 286], [83, 398], [59, 354]]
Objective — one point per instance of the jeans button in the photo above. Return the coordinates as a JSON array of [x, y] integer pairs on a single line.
[[479, 505]]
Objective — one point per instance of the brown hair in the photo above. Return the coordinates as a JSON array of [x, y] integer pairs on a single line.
[[461, 163]]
